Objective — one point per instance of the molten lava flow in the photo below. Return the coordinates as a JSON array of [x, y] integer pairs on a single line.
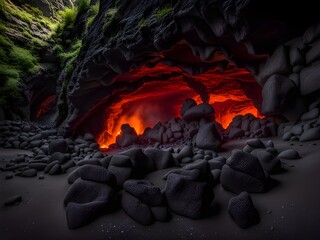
[[46, 105], [164, 90]]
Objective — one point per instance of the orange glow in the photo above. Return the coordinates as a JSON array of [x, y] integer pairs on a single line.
[[164, 91]]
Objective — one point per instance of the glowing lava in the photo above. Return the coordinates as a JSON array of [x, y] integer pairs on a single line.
[[165, 88]]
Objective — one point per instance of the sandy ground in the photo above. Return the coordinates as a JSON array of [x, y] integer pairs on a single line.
[[291, 210]]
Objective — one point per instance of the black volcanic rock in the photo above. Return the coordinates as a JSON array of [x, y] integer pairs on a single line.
[[189, 190], [86, 200], [58, 145], [242, 210], [143, 201], [243, 172], [208, 137]]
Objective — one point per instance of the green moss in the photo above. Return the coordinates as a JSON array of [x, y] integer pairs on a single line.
[[111, 16], [93, 12], [142, 21], [82, 5], [5, 42], [160, 13], [24, 59]]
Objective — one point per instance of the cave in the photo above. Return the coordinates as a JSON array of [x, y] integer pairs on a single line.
[[185, 119]]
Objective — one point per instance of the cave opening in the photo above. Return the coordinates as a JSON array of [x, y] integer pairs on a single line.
[[231, 91]]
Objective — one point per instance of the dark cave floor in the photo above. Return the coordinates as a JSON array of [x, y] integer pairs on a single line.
[[290, 210]]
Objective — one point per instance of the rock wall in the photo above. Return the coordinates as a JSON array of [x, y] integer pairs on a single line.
[[290, 76], [128, 34]]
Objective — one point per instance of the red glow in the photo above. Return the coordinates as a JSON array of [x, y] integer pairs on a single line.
[[46, 105], [161, 98]]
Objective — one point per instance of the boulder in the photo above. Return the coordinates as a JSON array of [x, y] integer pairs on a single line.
[[235, 133], [97, 174], [58, 145], [255, 143], [143, 201], [141, 164], [243, 172], [277, 93], [189, 190], [268, 161], [57, 156], [310, 134], [277, 63], [309, 79], [86, 200], [289, 154], [29, 173], [208, 137], [162, 159], [198, 112], [312, 114], [242, 210], [188, 103]]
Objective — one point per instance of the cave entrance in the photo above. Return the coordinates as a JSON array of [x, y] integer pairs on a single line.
[[232, 91]]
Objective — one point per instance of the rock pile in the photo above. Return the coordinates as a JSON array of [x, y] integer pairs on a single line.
[[248, 126]]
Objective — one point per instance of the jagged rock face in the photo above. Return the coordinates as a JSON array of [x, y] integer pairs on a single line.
[[49, 8], [129, 34]]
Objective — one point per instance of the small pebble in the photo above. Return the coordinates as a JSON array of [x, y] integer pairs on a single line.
[[9, 176], [41, 177]]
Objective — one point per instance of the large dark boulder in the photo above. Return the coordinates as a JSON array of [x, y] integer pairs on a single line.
[[144, 202], [208, 137], [58, 145], [141, 164], [242, 210], [189, 191], [87, 200], [162, 159], [243, 172]]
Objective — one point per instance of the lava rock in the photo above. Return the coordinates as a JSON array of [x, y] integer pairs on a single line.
[[208, 137], [141, 164], [89, 137], [57, 156], [268, 161], [312, 114], [97, 174], [289, 154], [277, 63], [309, 79], [188, 197], [86, 200], [242, 210], [235, 133], [276, 93], [91, 161], [74, 175], [9, 176], [13, 200], [216, 175], [187, 104], [162, 159], [138, 199], [198, 112], [55, 169], [121, 173], [243, 172], [136, 209], [58, 145], [186, 151], [310, 134], [29, 173], [255, 143]]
